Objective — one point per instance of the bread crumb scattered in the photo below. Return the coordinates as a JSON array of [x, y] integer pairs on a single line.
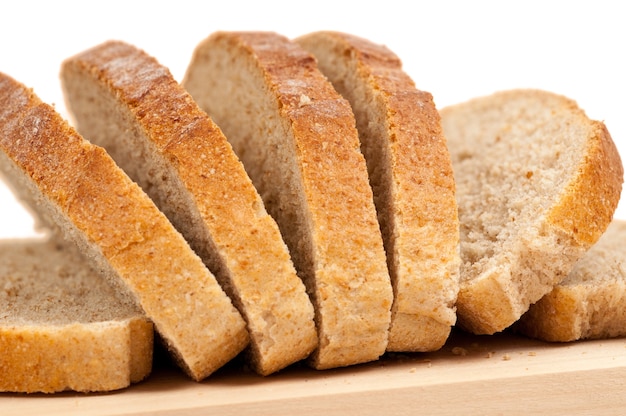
[[532, 354], [412, 370], [459, 351], [506, 357], [490, 354], [304, 100]]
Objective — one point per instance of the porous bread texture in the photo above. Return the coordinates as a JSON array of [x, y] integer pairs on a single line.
[[62, 327], [411, 175], [76, 189], [297, 139], [124, 100], [537, 184], [590, 303]]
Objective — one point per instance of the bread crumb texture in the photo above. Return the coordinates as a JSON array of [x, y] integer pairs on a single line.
[[537, 184]]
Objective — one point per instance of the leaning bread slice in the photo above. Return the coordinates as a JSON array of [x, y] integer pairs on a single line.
[[411, 176], [537, 184], [62, 327], [125, 101], [297, 139], [591, 302], [75, 188]]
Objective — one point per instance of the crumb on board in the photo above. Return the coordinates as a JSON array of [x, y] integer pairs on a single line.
[[459, 351], [506, 357], [490, 354]]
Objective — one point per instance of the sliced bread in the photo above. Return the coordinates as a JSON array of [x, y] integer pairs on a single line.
[[76, 188], [123, 100], [411, 175], [537, 184], [297, 139], [591, 302], [62, 327]]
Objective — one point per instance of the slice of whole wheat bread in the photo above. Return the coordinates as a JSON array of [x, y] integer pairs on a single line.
[[123, 100], [75, 188], [62, 327], [411, 176], [297, 139], [537, 184], [590, 303]]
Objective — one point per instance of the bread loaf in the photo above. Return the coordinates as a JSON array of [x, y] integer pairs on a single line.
[[411, 175], [590, 303], [537, 184], [75, 188], [62, 327], [297, 139], [125, 101]]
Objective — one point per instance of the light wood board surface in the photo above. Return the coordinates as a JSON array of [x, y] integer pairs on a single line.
[[501, 374]]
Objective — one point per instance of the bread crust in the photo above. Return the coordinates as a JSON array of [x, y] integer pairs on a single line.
[[75, 188], [324, 203], [499, 288], [191, 172], [411, 175]]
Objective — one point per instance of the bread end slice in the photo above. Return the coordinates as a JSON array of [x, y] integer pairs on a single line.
[[62, 327]]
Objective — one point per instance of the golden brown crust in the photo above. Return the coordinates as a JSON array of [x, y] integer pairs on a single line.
[[97, 357], [411, 174], [99, 207], [250, 259], [347, 263], [587, 206]]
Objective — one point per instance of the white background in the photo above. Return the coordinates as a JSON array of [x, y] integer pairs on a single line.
[[454, 49]]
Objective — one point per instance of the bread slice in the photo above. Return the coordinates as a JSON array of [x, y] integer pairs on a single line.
[[297, 139], [62, 327], [411, 175], [77, 189], [591, 302], [537, 184], [123, 100]]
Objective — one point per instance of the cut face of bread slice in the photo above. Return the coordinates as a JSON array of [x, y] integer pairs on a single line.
[[537, 184], [297, 139], [411, 176], [75, 187], [62, 327], [124, 100], [591, 302]]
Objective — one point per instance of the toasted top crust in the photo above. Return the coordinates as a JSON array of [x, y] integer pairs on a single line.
[[538, 183], [590, 303], [297, 139], [411, 175], [53, 305], [77, 189], [125, 101]]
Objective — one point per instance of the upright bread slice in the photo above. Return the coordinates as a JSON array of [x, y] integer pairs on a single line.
[[591, 302], [77, 189], [297, 139], [62, 327], [124, 100], [537, 184], [411, 175]]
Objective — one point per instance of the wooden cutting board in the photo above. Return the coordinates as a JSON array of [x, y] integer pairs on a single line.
[[502, 374]]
